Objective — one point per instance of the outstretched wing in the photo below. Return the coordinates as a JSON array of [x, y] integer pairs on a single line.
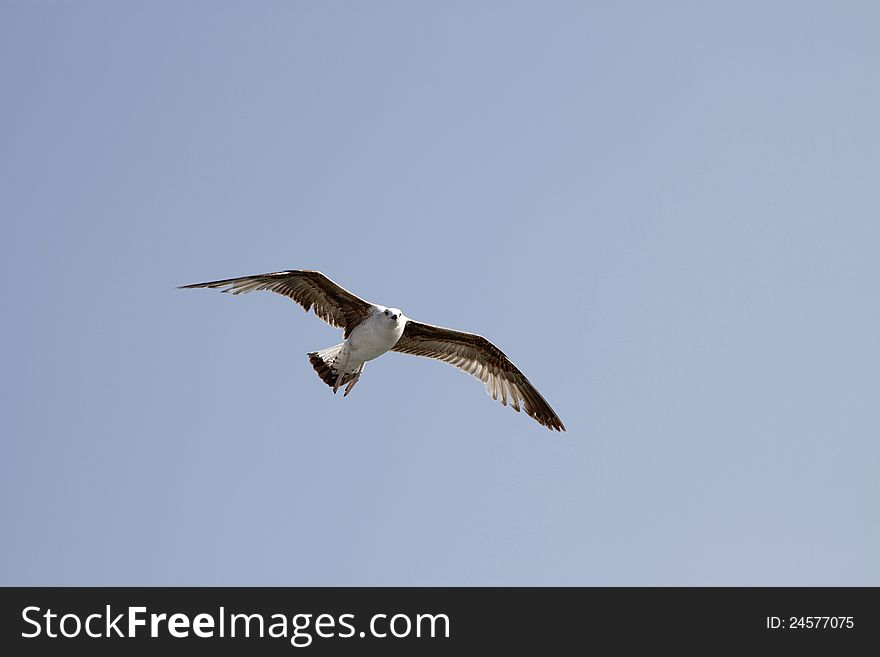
[[310, 289], [477, 356]]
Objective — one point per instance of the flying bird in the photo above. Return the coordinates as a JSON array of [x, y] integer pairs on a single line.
[[370, 330]]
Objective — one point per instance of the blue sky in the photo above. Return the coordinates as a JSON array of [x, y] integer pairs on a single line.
[[665, 213]]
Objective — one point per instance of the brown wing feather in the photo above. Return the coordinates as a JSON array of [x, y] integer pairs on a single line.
[[477, 356], [310, 289]]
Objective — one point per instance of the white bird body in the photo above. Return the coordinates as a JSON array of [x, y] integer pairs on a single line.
[[377, 334], [372, 337]]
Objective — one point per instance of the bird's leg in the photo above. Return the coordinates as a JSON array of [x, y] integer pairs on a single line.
[[355, 379], [342, 371]]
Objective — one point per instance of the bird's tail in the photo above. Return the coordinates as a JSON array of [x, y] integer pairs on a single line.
[[327, 362]]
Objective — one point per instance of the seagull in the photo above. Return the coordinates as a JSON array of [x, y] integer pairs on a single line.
[[370, 330]]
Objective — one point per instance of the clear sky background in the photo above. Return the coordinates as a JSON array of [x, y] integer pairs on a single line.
[[667, 214]]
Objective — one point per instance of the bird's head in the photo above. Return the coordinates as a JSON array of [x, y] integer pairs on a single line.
[[393, 315]]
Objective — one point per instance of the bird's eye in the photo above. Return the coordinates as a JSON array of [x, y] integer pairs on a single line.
[[386, 312]]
